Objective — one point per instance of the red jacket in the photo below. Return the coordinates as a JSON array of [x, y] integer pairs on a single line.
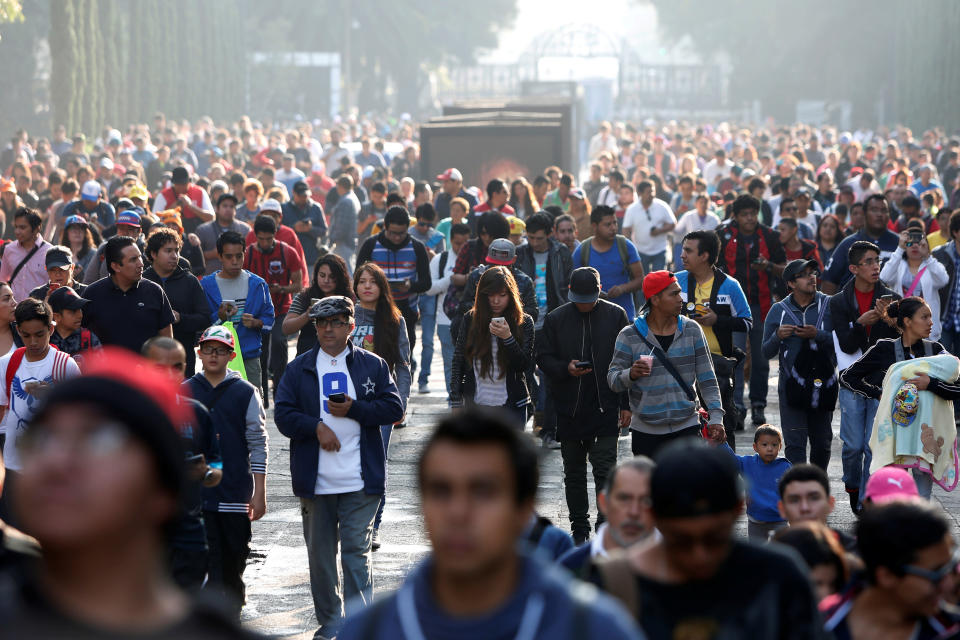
[[195, 194]]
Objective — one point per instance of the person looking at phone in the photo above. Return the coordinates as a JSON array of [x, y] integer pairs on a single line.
[[912, 271], [858, 321], [661, 360], [494, 350], [243, 298], [60, 271], [337, 455]]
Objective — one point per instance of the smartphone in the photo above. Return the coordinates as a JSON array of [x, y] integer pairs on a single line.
[[397, 281], [229, 303], [583, 364], [337, 397], [888, 297], [498, 320]]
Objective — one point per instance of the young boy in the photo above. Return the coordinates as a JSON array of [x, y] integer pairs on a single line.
[[68, 336], [762, 472], [238, 418]]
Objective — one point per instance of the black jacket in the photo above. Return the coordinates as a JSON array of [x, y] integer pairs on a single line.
[[844, 312], [865, 376], [568, 334], [519, 351], [945, 256], [559, 266], [188, 299]]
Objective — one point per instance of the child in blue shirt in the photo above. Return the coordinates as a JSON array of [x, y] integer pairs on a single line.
[[762, 472]]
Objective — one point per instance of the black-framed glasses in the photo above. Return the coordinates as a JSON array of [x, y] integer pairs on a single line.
[[332, 323], [220, 351], [934, 575]]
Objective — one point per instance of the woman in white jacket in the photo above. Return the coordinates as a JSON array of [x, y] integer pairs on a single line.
[[912, 271]]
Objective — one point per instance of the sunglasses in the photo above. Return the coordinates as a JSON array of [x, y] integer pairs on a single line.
[[936, 575]]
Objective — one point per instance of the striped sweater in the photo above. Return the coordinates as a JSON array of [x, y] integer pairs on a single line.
[[658, 403]]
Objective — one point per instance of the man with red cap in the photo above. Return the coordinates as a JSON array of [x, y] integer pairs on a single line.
[[661, 361], [452, 187]]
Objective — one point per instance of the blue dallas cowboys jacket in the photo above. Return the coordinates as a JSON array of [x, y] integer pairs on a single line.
[[297, 413]]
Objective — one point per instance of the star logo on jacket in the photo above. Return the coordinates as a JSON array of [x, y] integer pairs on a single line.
[[369, 386]]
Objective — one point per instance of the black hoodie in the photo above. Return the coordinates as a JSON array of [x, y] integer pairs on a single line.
[[187, 298]]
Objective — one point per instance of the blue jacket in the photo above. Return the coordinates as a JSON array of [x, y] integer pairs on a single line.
[[258, 304], [730, 304], [762, 480], [577, 560], [297, 413]]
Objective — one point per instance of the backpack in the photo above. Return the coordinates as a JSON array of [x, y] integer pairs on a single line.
[[811, 383], [587, 244], [59, 366]]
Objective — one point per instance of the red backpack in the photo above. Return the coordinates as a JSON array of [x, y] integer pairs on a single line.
[[59, 366]]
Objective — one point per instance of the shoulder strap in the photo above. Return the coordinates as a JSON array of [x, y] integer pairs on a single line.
[[618, 580], [665, 361], [907, 294], [23, 263], [218, 393], [927, 348], [12, 367], [624, 254], [585, 252], [443, 261]]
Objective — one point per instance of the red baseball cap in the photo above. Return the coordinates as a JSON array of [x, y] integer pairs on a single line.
[[451, 174], [656, 281]]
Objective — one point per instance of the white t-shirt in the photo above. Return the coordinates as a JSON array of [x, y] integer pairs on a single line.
[[21, 405], [441, 282], [641, 220], [691, 221], [337, 471]]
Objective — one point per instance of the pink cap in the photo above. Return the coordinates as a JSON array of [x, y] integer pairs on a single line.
[[890, 483]]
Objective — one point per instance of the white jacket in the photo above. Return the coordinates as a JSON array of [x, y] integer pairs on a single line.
[[440, 282], [933, 279]]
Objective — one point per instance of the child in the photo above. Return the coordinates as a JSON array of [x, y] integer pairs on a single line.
[[68, 336], [238, 418], [762, 472]]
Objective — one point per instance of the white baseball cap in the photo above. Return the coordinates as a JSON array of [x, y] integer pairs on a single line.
[[91, 190], [270, 205]]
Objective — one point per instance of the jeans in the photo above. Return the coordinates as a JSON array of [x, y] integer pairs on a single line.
[[763, 531], [347, 517], [544, 403], [602, 453], [188, 567], [655, 262], [759, 366], [228, 544], [924, 483], [386, 430], [410, 316], [346, 253], [856, 425], [798, 426], [647, 444], [273, 359], [446, 350], [428, 325]]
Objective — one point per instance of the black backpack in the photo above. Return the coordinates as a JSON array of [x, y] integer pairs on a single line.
[[811, 383]]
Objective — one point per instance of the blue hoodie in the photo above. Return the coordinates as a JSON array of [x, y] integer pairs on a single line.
[[258, 304], [571, 610]]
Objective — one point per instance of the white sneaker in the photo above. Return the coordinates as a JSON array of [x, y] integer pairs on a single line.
[[376, 540]]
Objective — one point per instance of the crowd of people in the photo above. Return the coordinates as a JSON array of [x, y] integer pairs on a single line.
[[152, 282]]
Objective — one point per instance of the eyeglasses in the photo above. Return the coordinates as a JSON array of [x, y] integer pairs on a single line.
[[210, 351], [333, 324], [101, 441], [936, 575]]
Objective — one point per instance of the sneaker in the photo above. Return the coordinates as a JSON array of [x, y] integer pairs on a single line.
[[550, 443], [855, 502], [376, 540], [758, 417], [424, 387], [400, 425]]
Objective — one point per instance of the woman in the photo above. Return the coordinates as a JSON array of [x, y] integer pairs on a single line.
[[252, 192], [828, 236], [912, 271], [914, 320], [380, 328], [76, 235], [522, 199], [821, 552], [9, 338], [580, 210], [494, 348], [329, 279]]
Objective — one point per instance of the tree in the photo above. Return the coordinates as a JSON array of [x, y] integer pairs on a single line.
[[63, 68]]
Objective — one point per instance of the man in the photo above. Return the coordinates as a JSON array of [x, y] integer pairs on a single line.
[[547, 262], [501, 252], [697, 579], [122, 419], [684, 200], [335, 152], [700, 218], [614, 257], [128, 226], [610, 193], [90, 206], [343, 221], [751, 252], [573, 351], [647, 222], [191, 314], [559, 197], [307, 219], [405, 262], [624, 501], [369, 157], [798, 330], [24, 261], [337, 457], [243, 298], [595, 183], [912, 209], [875, 230], [60, 271], [194, 202], [949, 256], [660, 160], [280, 267], [451, 187], [658, 360], [477, 583], [795, 247], [289, 175], [210, 232], [858, 321], [602, 141], [804, 491], [373, 210], [717, 169], [910, 571], [717, 303], [125, 309], [272, 208], [566, 232], [497, 195]]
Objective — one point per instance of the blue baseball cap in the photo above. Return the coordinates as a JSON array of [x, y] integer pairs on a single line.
[[130, 217], [75, 220]]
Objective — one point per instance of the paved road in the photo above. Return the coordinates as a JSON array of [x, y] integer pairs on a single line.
[[278, 584]]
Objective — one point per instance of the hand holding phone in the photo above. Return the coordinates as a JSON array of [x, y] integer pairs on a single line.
[[338, 397]]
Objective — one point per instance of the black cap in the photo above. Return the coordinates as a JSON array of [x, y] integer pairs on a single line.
[[332, 306], [180, 175], [794, 267], [227, 196], [66, 298], [584, 285], [693, 479], [59, 257], [301, 187]]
